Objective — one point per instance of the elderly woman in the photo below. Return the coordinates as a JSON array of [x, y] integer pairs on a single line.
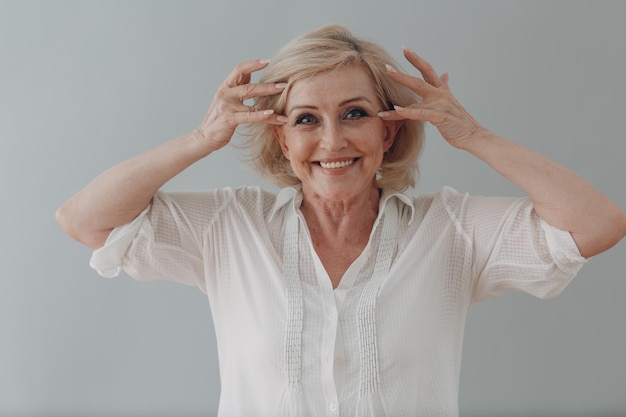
[[341, 295]]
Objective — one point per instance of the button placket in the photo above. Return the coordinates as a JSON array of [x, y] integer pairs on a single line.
[[366, 309], [293, 331], [328, 352], [332, 316]]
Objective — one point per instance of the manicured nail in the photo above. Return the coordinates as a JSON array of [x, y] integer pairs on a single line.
[[398, 108], [281, 86], [282, 119], [268, 112], [407, 49], [383, 114], [391, 69], [264, 61]]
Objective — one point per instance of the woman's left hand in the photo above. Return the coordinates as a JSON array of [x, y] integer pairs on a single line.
[[438, 105], [560, 197]]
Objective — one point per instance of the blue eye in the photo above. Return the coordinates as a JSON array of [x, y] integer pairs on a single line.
[[305, 119], [357, 113]]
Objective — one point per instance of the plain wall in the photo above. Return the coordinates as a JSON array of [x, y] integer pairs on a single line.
[[84, 85]]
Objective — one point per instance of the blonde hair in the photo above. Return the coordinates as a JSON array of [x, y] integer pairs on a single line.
[[322, 50]]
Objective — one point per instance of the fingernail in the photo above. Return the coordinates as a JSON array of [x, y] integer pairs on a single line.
[[267, 112], [383, 114], [407, 49], [264, 61], [283, 119], [391, 69], [280, 86], [398, 108]]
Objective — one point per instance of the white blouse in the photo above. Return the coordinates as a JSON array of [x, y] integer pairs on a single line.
[[387, 341]]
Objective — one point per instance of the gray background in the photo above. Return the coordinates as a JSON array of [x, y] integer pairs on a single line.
[[84, 85]]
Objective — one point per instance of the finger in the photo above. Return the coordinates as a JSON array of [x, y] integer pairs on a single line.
[[260, 116], [444, 79], [247, 91], [426, 115], [402, 114], [417, 85], [277, 119], [243, 117], [241, 74], [391, 115], [423, 66], [407, 113]]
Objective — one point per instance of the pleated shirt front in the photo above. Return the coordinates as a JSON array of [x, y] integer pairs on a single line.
[[388, 340]]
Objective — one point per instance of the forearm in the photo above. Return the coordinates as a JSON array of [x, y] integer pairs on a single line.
[[561, 197], [119, 194]]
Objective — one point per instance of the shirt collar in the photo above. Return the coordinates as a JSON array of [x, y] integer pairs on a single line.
[[294, 195], [286, 195], [388, 194]]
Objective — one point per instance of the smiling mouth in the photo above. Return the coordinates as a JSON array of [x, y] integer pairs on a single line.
[[337, 164]]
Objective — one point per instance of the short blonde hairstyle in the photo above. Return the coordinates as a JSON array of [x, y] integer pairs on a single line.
[[322, 50]]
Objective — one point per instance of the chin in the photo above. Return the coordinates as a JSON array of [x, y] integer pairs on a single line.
[[349, 191]]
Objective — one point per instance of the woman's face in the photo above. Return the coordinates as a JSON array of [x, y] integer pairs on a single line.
[[334, 139]]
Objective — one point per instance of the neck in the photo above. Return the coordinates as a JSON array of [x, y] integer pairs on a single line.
[[360, 210]]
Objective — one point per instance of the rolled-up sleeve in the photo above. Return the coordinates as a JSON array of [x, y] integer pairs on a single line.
[[563, 249], [108, 259], [166, 241]]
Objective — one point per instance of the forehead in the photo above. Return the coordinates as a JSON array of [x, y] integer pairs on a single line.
[[332, 87]]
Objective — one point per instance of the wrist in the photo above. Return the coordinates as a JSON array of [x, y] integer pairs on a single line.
[[477, 140], [198, 143]]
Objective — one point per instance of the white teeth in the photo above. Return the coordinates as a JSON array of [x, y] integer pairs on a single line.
[[340, 164]]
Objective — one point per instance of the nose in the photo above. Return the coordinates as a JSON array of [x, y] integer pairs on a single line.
[[333, 139]]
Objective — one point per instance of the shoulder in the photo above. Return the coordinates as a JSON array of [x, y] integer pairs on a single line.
[[253, 196], [456, 202], [463, 209], [446, 200], [254, 199], [249, 199]]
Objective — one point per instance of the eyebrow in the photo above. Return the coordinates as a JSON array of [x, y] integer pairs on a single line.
[[343, 103]]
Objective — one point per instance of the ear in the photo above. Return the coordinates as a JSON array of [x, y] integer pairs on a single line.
[[279, 134], [391, 130]]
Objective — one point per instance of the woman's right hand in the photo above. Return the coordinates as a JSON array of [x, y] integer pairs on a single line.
[[228, 109], [118, 195]]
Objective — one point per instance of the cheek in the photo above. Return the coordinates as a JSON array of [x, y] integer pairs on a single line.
[[371, 129], [373, 140], [297, 147]]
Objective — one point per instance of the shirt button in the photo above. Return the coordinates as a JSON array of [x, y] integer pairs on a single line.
[[333, 407], [332, 316]]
